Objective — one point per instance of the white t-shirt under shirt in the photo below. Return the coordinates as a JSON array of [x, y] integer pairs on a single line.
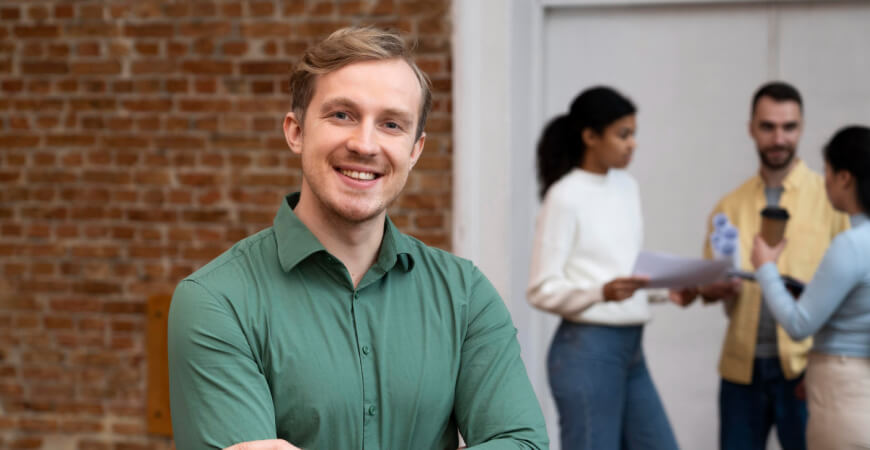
[[589, 231]]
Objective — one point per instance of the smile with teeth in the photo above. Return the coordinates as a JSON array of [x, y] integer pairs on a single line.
[[364, 176]]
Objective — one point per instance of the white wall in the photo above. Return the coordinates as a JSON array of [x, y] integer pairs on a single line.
[[691, 68]]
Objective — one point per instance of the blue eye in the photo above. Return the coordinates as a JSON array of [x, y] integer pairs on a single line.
[[340, 115], [393, 126]]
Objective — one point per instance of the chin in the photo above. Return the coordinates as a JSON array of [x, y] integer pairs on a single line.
[[357, 213]]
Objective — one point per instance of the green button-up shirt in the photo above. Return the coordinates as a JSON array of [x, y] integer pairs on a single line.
[[271, 339]]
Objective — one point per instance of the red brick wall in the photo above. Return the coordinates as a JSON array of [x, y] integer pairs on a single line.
[[139, 139]]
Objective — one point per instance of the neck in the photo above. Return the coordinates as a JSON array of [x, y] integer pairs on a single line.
[[355, 244], [774, 177], [591, 165]]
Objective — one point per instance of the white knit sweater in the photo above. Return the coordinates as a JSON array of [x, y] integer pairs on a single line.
[[589, 231]]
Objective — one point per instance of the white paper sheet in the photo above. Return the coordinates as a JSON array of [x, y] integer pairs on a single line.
[[671, 271]]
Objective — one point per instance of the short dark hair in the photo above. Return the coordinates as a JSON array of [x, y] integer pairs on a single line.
[[849, 149], [779, 91]]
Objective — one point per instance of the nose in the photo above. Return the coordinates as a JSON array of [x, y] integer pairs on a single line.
[[363, 141], [779, 136]]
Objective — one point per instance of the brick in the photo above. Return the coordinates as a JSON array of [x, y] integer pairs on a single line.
[[147, 48], [92, 30], [207, 67], [38, 13], [210, 29], [70, 140], [176, 85], [124, 141], [176, 9], [96, 68], [25, 442], [91, 11], [234, 48], [204, 9], [18, 141], [260, 30], [176, 49], [266, 67], [93, 103], [149, 30], [293, 7], [200, 179], [152, 66], [205, 86], [147, 105], [180, 142], [63, 11], [10, 13], [36, 31], [44, 67]]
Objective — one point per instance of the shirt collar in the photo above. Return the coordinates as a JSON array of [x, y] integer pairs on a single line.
[[794, 179], [856, 220], [296, 242]]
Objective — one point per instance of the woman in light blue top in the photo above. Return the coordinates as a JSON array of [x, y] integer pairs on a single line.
[[835, 306]]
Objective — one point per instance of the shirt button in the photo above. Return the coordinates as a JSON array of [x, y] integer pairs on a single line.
[[372, 410], [355, 295], [365, 349]]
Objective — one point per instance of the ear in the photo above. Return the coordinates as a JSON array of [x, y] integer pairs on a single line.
[[293, 132], [590, 137], [417, 150], [845, 178]]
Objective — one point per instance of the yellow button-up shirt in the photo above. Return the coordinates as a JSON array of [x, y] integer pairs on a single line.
[[812, 225]]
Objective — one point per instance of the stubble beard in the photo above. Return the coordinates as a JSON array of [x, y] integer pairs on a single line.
[[767, 163]]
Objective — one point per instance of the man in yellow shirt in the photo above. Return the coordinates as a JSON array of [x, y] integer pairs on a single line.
[[760, 366]]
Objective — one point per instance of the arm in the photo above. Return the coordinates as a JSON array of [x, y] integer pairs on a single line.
[[495, 406], [549, 289], [836, 276], [218, 394]]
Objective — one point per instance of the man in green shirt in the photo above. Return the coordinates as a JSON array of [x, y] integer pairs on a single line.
[[331, 329]]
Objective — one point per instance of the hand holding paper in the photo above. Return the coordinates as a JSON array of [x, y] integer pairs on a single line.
[[671, 271]]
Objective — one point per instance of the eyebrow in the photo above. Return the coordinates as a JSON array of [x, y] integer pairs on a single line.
[[337, 102], [398, 114]]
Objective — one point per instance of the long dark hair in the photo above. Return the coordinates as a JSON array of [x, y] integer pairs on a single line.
[[561, 146], [849, 149]]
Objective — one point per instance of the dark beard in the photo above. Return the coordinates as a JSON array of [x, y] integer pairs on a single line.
[[773, 166]]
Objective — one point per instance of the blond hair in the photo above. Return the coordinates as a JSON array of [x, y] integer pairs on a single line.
[[347, 46]]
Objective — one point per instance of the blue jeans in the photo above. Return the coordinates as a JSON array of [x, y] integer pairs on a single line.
[[603, 391], [747, 412]]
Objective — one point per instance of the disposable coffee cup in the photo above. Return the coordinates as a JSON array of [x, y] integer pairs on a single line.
[[773, 221]]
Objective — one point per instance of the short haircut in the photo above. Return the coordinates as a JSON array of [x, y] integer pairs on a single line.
[[779, 91], [347, 46]]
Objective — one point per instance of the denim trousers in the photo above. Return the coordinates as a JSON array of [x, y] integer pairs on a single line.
[[748, 412], [603, 391]]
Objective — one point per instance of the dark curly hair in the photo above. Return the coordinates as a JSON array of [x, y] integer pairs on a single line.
[[561, 146]]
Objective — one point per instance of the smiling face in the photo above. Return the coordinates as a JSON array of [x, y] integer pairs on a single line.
[[357, 141], [776, 129]]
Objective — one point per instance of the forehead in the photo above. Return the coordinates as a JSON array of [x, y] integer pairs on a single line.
[[770, 110], [378, 85]]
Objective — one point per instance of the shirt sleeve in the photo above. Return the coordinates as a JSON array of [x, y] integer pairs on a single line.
[[495, 406], [836, 275], [549, 289], [218, 395]]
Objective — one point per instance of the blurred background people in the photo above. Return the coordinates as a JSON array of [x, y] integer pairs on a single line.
[[588, 234], [835, 306]]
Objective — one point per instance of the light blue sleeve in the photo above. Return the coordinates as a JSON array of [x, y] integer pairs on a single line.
[[835, 277]]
